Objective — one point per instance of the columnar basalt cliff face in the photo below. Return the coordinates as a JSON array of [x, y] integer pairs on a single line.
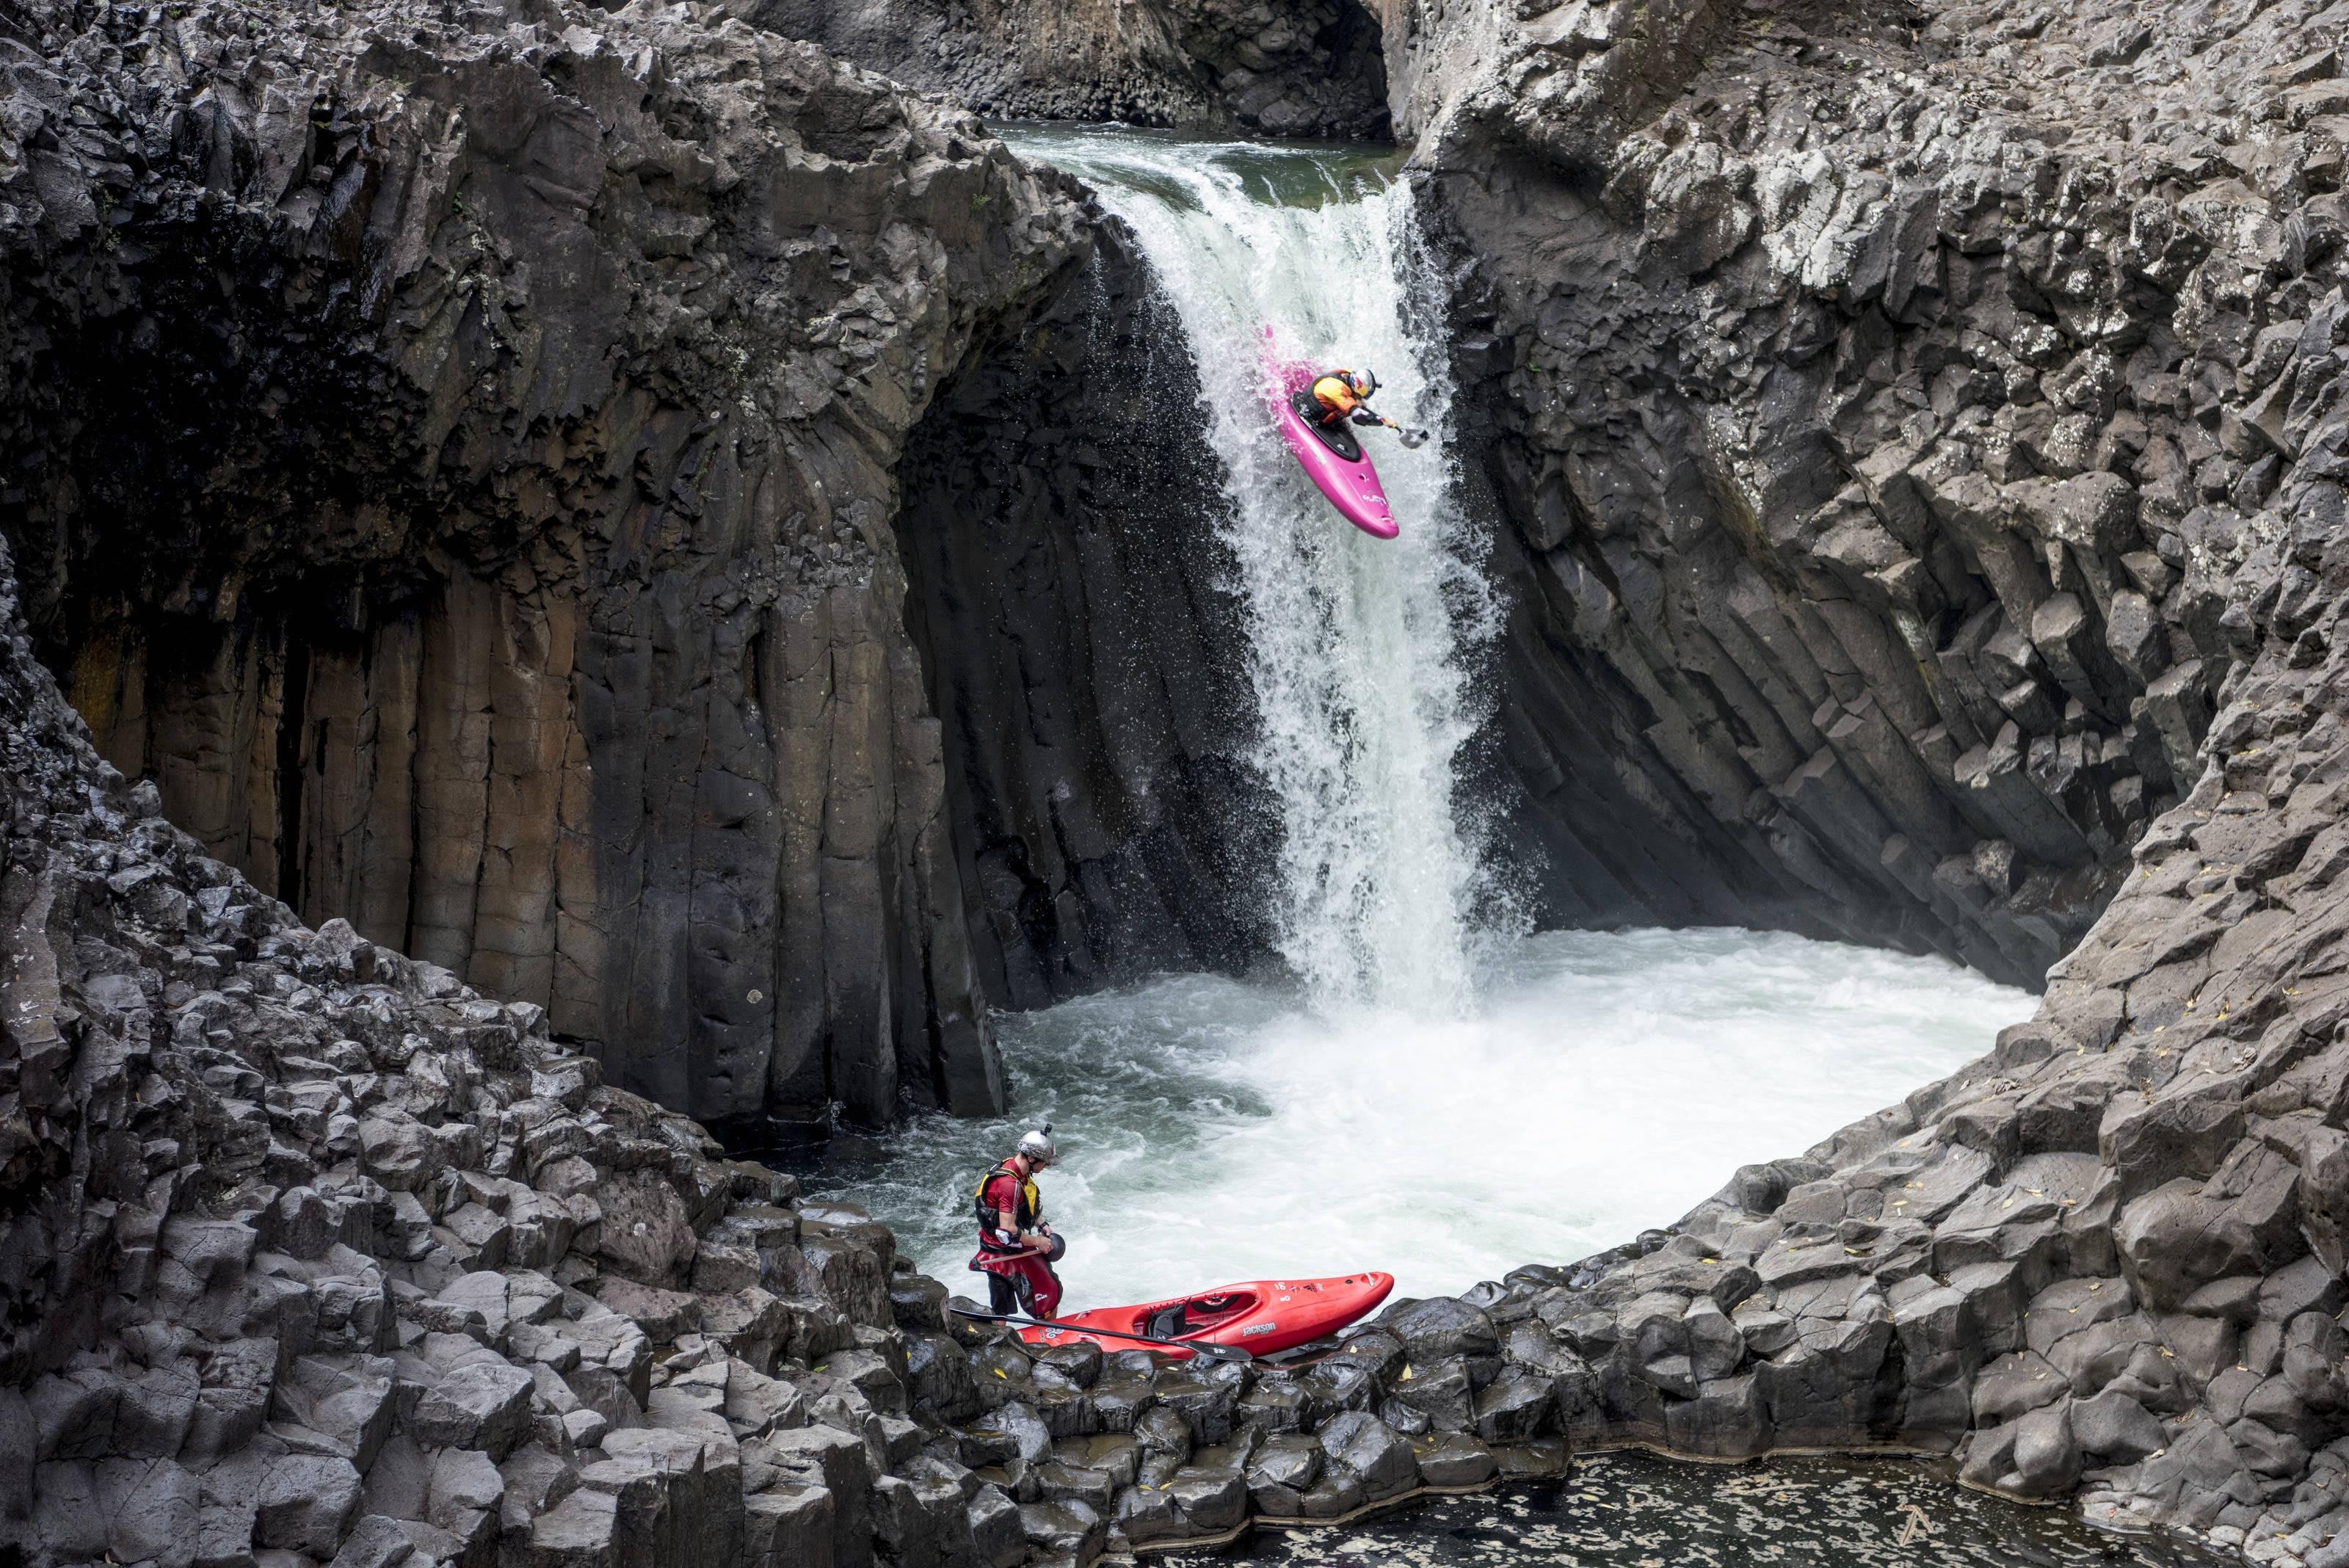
[[1072, 601], [1869, 474], [1925, 451], [1287, 67], [457, 462], [1924, 446]]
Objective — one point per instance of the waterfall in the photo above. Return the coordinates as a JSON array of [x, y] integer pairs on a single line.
[[1583, 1085], [1362, 652]]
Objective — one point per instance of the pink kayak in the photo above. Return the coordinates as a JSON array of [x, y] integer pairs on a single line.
[[1332, 455]]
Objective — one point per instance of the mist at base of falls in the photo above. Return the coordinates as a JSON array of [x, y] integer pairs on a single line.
[[1363, 655], [1215, 1131]]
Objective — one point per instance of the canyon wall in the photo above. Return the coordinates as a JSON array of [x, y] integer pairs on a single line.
[[1863, 439], [1923, 441], [1284, 67], [1073, 602], [461, 467]]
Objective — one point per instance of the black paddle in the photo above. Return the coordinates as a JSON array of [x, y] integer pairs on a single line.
[[1205, 1350]]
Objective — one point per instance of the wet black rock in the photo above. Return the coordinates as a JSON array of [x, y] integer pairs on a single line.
[[1286, 68], [1922, 448]]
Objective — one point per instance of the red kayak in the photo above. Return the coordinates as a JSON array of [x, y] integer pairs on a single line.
[[1260, 1317]]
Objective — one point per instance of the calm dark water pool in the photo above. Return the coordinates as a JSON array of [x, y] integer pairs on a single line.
[[1632, 1511]]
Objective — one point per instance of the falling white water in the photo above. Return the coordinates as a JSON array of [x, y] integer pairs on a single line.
[[1360, 649]]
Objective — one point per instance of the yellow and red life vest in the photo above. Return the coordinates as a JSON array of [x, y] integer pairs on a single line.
[[1025, 1209], [1335, 393]]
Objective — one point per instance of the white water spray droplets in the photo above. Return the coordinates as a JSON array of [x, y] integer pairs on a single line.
[[1360, 651]]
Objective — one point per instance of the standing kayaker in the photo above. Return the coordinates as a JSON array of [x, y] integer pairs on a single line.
[[1016, 1248], [1346, 393]]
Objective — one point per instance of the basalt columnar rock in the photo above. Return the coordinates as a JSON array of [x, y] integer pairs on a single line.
[[1287, 67], [1072, 601], [311, 1253], [1889, 414], [456, 465], [1924, 440], [458, 459]]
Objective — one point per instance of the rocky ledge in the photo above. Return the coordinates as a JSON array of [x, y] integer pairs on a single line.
[[309, 1252], [1290, 67]]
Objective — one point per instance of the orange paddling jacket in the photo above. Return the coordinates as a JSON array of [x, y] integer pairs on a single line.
[[1334, 394]]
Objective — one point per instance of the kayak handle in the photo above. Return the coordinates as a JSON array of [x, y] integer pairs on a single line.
[[1206, 1350]]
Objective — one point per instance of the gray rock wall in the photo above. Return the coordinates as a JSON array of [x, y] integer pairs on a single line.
[[1924, 451], [1853, 504], [1071, 598], [459, 465], [1287, 67]]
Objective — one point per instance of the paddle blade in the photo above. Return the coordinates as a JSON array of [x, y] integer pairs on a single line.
[[1413, 438]]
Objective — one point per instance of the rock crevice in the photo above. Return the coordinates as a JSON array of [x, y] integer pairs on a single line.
[[1072, 599]]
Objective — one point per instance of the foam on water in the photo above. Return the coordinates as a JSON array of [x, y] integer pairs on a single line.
[[1215, 1131]]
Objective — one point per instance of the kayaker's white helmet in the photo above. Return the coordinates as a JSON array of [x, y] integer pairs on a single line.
[[1364, 382], [1036, 1145]]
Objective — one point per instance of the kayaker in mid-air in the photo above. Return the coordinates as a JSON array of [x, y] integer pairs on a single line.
[[1016, 1248]]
